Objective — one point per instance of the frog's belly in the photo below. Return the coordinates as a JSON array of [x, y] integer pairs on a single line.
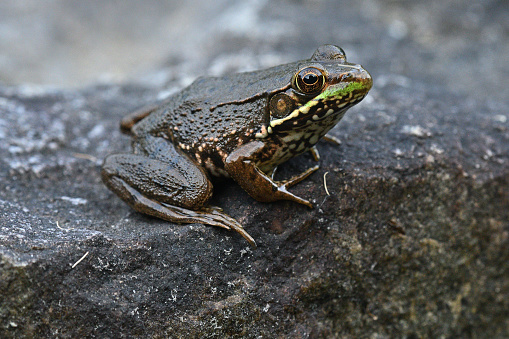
[[215, 170], [213, 163]]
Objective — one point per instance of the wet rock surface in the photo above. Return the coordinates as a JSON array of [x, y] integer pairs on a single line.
[[409, 236]]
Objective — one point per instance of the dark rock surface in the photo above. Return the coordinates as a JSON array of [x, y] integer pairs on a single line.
[[409, 237]]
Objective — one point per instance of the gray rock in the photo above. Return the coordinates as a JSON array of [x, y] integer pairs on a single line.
[[409, 236]]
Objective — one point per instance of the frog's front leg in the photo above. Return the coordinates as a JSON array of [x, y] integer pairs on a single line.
[[329, 138], [241, 167], [167, 185]]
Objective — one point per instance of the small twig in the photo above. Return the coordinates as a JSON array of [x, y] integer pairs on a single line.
[[85, 156], [80, 260], [64, 229], [326, 189], [325, 183]]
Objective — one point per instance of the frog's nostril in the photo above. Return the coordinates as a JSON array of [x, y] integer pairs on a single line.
[[346, 76]]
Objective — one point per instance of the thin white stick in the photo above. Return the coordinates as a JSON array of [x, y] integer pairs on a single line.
[[81, 259], [325, 183]]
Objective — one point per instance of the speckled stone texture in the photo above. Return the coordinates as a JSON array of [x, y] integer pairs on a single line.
[[409, 236]]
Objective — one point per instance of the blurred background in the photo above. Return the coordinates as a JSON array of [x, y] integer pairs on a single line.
[[456, 44]]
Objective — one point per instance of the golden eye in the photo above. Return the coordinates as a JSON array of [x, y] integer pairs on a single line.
[[310, 80]]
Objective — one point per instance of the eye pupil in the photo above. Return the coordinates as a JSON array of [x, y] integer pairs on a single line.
[[310, 79]]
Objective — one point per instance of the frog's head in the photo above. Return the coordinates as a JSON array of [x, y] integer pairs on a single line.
[[322, 89]]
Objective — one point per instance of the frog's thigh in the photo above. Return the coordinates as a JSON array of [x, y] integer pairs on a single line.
[[180, 183], [175, 191]]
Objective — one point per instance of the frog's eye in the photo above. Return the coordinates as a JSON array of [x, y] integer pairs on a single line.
[[310, 80], [280, 105]]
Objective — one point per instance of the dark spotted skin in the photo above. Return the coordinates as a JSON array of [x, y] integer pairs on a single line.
[[203, 134], [241, 125]]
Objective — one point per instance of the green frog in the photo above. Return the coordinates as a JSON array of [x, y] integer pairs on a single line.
[[241, 126]]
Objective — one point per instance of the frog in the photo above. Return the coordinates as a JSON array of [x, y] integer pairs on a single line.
[[240, 126]]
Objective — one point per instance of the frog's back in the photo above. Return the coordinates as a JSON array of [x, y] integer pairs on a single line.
[[214, 115], [237, 86]]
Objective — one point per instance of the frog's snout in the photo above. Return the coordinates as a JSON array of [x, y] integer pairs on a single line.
[[366, 79], [356, 74]]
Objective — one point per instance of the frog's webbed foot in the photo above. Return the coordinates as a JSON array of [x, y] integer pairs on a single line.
[[286, 184], [212, 216], [227, 222], [208, 216], [167, 185]]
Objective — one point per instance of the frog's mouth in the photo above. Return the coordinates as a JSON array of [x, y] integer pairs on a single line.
[[334, 100]]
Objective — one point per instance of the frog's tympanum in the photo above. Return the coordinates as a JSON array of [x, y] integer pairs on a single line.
[[241, 126]]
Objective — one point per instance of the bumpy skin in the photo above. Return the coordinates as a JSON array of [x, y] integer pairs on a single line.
[[241, 125]]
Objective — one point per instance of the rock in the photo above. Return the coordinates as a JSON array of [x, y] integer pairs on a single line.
[[409, 234]]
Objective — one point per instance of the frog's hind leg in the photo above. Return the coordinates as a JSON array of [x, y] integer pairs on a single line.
[[162, 182], [212, 216]]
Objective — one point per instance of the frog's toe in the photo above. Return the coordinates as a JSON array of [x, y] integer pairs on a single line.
[[216, 217], [208, 216], [332, 139], [212, 216], [213, 208], [286, 195], [298, 178]]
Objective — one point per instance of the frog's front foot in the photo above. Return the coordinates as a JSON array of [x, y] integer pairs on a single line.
[[285, 184], [254, 181], [174, 192], [299, 177]]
